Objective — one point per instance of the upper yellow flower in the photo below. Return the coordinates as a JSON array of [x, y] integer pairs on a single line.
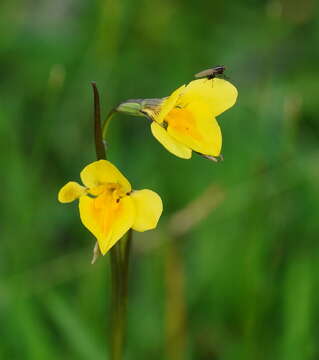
[[186, 119], [108, 206]]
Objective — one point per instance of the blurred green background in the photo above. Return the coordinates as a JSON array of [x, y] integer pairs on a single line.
[[241, 282]]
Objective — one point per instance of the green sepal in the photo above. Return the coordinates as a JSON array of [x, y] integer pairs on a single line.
[[139, 107]]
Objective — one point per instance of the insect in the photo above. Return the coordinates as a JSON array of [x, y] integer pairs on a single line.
[[211, 73]]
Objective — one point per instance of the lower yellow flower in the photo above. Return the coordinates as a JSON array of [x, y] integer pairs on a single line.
[[108, 206], [186, 120]]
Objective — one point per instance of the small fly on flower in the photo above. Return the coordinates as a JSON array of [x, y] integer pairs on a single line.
[[211, 73]]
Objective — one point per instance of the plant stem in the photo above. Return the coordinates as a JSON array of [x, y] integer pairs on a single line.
[[119, 268], [120, 252], [107, 122]]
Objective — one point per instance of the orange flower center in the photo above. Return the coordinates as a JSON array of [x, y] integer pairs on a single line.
[[106, 204], [182, 121]]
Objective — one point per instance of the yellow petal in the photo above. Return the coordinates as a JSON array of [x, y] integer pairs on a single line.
[[71, 191], [170, 143], [102, 172], [195, 127], [123, 221], [107, 219], [168, 104], [218, 93], [148, 209]]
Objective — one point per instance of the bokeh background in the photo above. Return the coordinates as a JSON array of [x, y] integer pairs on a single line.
[[232, 272]]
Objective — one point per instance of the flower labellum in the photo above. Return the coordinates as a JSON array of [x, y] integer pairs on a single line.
[[108, 206]]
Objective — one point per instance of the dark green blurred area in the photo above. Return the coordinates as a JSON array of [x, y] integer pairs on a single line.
[[250, 269]]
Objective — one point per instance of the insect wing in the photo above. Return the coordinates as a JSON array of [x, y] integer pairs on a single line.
[[205, 73]]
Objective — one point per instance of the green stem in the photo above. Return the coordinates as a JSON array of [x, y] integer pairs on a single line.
[[119, 268], [107, 122], [120, 252]]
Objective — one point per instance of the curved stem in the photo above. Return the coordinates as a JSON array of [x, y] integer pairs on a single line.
[[106, 122], [120, 252]]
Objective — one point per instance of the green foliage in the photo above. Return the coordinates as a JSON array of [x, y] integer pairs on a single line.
[[250, 267]]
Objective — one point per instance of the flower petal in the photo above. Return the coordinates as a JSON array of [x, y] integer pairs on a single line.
[[102, 172], [123, 221], [107, 219], [168, 104], [170, 143], [70, 192], [218, 93], [148, 209], [195, 127]]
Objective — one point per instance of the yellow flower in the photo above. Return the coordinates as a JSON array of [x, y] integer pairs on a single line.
[[186, 119], [108, 206]]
